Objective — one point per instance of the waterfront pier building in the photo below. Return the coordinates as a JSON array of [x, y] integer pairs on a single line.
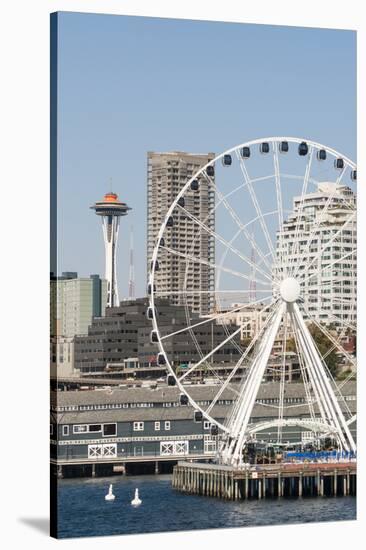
[[147, 429]]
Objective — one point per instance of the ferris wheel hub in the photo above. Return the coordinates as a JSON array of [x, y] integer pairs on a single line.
[[290, 290]]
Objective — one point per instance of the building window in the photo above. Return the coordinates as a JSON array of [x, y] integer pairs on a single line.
[[51, 429], [167, 425], [157, 426], [209, 446], [96, 427], [138, 426], [206, 425], [109, 429], [65, 430], [80, 428]]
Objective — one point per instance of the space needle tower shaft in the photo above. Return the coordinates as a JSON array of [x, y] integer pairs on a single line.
[[111, 209]]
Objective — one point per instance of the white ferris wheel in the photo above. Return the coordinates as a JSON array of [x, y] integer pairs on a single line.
[[276, 298]]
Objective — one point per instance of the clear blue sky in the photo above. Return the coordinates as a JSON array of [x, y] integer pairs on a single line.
[[128, 85]]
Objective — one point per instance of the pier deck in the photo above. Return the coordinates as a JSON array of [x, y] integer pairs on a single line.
[[266, 481]]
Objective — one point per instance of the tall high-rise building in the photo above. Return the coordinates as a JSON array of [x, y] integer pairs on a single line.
[[167, 173], [111, 209], [329, 287]]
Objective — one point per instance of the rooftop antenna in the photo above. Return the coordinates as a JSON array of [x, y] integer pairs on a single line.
[[131, 283]]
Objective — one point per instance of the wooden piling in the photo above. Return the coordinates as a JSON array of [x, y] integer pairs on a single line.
[[265, 481], [300, 484], [335, 483], [279, 485]]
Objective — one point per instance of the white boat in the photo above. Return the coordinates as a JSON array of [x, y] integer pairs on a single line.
[[136, 501], [110, 495]]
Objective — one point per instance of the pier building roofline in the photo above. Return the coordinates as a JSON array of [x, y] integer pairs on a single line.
[[169, 394]]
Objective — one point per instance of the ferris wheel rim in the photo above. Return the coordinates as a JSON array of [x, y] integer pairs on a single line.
[[236, 148]]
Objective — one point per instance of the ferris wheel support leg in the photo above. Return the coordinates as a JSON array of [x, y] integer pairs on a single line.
[[316, 374], [239, 421], [324, 388], [313, 381], [312, 373]]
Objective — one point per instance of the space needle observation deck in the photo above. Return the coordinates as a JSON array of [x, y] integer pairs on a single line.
[[111, 209]]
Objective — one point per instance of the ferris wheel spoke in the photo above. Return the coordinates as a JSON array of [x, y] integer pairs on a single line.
[[347, 379], [339, 339], [245, 354], [316, 378], [227, 383], [336, 319], [348, 301], [235, 217], [327, 283], [256, 206], [331, 378], [343, 321], [328, 243], [215, 317], [279, 202], [331, 349], [323, 284], [225, 243], [223, 198], [212, 352], [317, 182], [305, 377], [337, 390], [236, 189], [208, 355], [215, 291], [321, 217], [328, 266], [300, 221], [223, 258], [194, 259], [283, 378], [330, 337]]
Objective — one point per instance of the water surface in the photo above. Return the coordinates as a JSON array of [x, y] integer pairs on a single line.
[[83, 512]]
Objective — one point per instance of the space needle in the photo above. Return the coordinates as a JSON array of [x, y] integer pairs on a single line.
[[111, 209]]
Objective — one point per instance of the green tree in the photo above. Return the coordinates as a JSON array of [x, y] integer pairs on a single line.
[[291, 345], [245, 342], [323, 344]]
